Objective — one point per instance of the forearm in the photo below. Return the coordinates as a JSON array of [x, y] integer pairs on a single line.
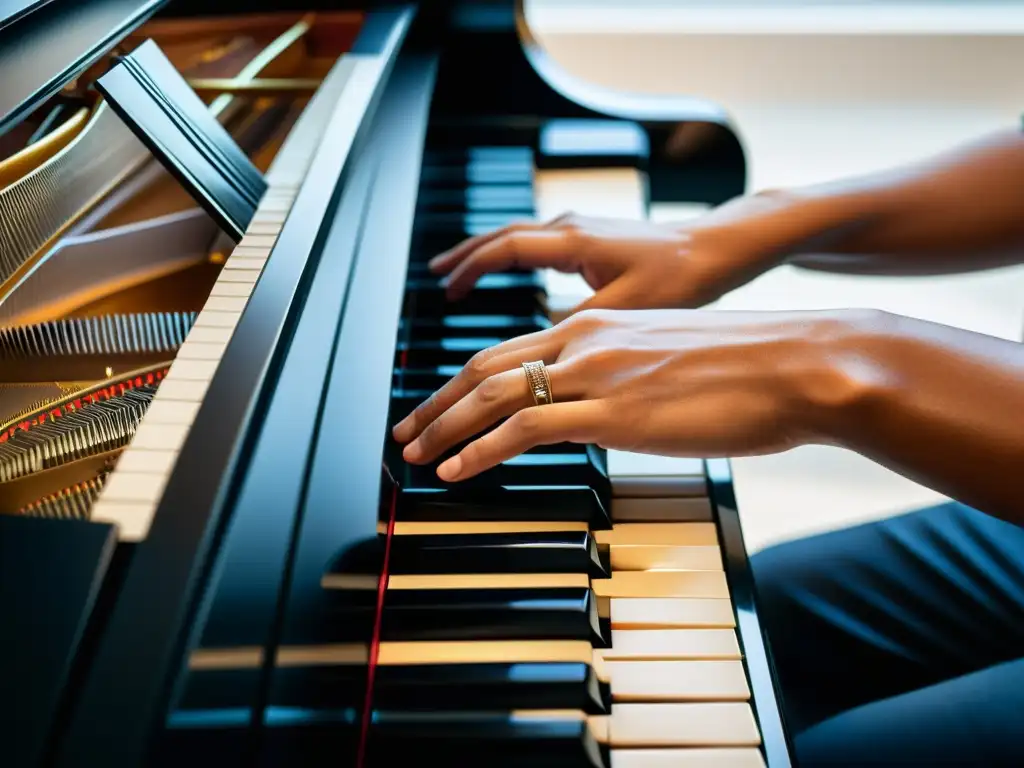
[[942, 406], [958, 212]]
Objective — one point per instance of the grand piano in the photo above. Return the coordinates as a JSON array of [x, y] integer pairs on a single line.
[[214, 303]]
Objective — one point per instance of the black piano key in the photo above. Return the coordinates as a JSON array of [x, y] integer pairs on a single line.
[[496, 172], [493, 294], [461, 225], [469, 326], [552, 613], [428, 379], [405, 401], [540, 469], [563, 503], [453, 351], [419, 267], [506, 686], [444, 233], [492, 739], [538, 552], [480, 198], [490, 687], [458, 154]]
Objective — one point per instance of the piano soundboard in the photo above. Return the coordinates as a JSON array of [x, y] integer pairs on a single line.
[[211, 550]]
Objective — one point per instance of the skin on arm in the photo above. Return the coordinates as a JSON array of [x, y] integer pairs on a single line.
[[939, 405]]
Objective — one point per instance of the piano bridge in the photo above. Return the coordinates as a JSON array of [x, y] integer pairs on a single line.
[[212, 551]]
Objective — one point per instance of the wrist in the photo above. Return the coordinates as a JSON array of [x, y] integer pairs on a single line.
[[774, 226], [845, 381]]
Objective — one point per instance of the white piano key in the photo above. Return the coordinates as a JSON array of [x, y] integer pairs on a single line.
[[662, 584], [198, 350], [232, 288], [214, 319], [687, 680], [671, 644], [134, 486], [192, 370], [160, 436], [226, 304], [644, 474], [143, 460], [704, 724], [164, 411], [671, 613], [665, 534], [696, 757], [211, 334], [183, 389], [656, 557], [131, 518], [249, 276], [694, 509]]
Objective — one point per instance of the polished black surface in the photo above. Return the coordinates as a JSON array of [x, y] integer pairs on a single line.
[[480, 738], [753, 641], [160, 108], [538, 552], [41, 51], [558, 503], [51, 574], [552, 613], [491, 687]]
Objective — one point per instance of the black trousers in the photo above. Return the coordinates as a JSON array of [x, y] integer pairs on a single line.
[[901, 642]]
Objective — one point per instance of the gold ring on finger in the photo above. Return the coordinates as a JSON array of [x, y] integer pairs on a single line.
[[539, 382]]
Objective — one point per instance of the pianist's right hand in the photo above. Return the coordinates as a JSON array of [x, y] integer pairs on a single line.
[[957, 212], [629, 264]]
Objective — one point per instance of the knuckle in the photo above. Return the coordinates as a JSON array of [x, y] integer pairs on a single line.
[[491, 390], [587, 319], [597, 358], [476, 370], [528, 422]]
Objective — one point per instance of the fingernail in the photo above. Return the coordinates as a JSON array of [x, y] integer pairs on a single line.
[[400, 432], [412, 452], [449, 470], [432, 264]]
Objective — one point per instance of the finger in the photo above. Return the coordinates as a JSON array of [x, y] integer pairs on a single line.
[[445, 262], [522, 249], [578, 422], [490, 401], [542, 345]]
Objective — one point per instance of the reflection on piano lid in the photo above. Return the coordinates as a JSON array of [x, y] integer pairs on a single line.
[[277, 586]]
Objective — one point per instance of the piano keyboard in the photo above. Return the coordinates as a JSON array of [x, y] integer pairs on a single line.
[[522, 620], [644, 605]]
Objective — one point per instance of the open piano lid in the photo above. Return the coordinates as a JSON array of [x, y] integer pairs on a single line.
[[46, 45]]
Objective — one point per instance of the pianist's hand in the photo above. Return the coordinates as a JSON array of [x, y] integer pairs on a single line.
[[671, 382], [629, 264]]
